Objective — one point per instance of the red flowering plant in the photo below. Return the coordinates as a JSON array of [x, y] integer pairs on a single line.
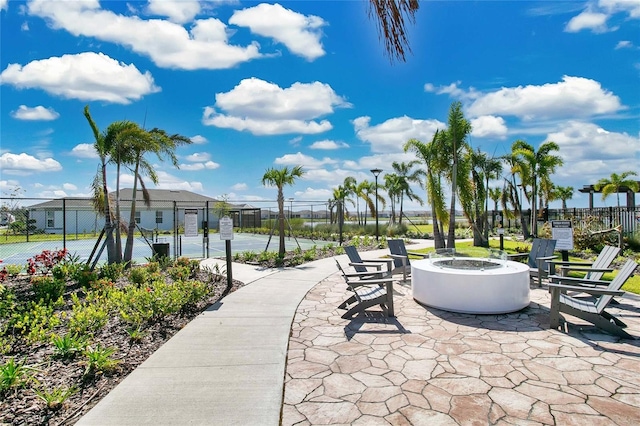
[[3, 273], [44, 262]]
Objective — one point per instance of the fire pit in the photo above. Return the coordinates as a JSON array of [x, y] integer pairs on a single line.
[[476, 283]]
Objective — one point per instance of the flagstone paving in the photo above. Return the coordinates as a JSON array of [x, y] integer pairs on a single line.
[[427, 366]]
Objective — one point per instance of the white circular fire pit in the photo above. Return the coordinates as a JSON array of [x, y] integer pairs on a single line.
[[474, 285]]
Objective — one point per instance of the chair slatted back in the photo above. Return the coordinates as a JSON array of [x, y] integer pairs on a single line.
[[354, 257], [541, 247], [603, 260], [397, 247], [618, 281]]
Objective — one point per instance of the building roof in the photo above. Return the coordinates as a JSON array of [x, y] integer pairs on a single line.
[[157, 195]]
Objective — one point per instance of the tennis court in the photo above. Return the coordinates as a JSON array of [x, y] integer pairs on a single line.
[[193, 247]]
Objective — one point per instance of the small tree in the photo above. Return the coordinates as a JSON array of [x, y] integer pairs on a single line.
[[279, 178]]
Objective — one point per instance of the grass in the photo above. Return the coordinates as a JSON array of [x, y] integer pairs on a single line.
[[632, 285]]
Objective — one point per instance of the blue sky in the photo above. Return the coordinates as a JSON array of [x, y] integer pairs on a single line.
[[260, 85]]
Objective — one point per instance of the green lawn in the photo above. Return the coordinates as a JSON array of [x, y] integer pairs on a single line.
[[632, 285]]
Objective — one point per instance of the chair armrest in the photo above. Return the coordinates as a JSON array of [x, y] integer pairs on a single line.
[[578, 281], [377, 281], [579, 269], [389, 262], [592, 291], [365, 265], [400, 257], [517, 255], [363, 274], [422, 255], [567, 263]]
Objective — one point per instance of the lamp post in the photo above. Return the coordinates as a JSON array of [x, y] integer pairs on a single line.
[[376, 172]]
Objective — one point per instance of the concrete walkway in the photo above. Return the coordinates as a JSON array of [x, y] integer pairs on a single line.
[[227, 366]]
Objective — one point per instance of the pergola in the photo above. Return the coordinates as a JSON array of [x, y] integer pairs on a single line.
[[631, 196]]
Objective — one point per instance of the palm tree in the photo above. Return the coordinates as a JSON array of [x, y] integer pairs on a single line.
[[390, 16], [279, 178], [564, 193], [510, 190], [393, 185], [141, 142], [613, 184], [406, 175], [495, 194], [454, 142], [428, 154], [104, 144], [540, 164]]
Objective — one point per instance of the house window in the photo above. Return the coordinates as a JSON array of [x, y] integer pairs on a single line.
[[158, 216], [51, 219], [138, 217]]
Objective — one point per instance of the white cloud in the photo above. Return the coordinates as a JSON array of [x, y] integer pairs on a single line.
[[38, 113], [264, 108], [240, 187], [86, 76], [177, 11], [84, 150], [572, 97], [207, 165], [588, 20], [69, 187], [488, 126], [169, 45], [166, 181], [300, 159], [8, 186], [328, 145], [591, 152], [391, 135], [452, 90], [4, 4], [596, 14], [57, 193], [25, 164], [198, 157], [314, 194], [624, 44], [301, 34], [199, 139]]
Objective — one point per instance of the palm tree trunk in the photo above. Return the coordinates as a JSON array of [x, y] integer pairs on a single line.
[[128, 249], [118, 236], [108, 224], [281, 249]]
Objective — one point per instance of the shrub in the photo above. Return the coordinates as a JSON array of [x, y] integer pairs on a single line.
[[87, 317], [139, 276], [67, 268], [44, 262], [56, 397], [34, 321], [99, 360], [112, 271], [48, 289], [67, 346], [14, 374]]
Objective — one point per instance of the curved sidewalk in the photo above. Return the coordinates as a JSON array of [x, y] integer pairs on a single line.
[[226, 366]]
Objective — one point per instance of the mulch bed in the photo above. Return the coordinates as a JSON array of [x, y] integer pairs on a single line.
[[23, 407]]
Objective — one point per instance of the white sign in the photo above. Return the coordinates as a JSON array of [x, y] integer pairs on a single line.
[[562, 232], [191, 223], [226, 228]]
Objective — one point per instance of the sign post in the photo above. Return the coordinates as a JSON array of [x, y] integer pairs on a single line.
[[562, 232], [226, 234]]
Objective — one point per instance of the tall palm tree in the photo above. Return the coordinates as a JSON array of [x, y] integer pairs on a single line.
[[104, 144], [509, 191], [428, 154], [141, 142], [406, 176], [564, 193], [541, 164], [391, 15], [495, 194], [613, 184], [279, 178], [454, 141], [393, 186]]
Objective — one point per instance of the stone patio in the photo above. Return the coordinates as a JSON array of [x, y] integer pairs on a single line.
[[428, 366]]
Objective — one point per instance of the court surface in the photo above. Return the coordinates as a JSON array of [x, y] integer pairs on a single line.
[[193, 247]]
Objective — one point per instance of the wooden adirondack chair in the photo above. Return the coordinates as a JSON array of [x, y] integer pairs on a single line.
[[538, 258], [361, 265], [594, 270], [400, 256], [589, 310], [367, 292]]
